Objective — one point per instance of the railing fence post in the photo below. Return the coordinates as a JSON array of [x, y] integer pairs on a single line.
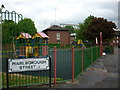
[[55, 64], [82, 60], [72, 64], [101, 46], [50, 71], [91, 55], [97, 52]]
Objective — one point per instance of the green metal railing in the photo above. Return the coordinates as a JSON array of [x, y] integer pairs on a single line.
[[90, 55], [64, 68], [78, 62]]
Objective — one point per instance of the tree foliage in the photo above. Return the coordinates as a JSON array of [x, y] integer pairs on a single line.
[[98, 25], [10, 29], [71, 28], [83, 27], [27, 25], [92, 27]]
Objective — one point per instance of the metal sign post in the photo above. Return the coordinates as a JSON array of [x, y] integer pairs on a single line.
[[50, 71], [7, 77]]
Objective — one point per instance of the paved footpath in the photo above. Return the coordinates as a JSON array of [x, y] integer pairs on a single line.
[[102, 74]]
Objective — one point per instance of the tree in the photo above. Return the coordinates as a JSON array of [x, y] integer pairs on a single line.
[[27, 26], [83, 27], [9, 30], [72, 30], [98, 25]]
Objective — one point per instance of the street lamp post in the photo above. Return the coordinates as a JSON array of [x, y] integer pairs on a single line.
[[2, 6]]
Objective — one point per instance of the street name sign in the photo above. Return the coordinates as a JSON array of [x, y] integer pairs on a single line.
[[29, 64]]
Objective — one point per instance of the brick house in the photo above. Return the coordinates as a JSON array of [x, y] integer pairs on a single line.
[[116, 40], [58, 34]]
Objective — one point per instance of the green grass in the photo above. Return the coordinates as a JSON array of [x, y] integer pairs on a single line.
[[22, 80]]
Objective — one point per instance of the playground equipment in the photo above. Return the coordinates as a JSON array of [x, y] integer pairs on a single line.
[[80, 43], [23, 49], [28, 46], [41, 41]]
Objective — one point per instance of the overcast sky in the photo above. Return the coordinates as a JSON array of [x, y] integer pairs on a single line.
[[42, 12]]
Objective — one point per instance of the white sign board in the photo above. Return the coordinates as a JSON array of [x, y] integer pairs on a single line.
[[19, 65]]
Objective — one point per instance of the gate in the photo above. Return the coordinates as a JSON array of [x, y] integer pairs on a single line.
[[21, 46]]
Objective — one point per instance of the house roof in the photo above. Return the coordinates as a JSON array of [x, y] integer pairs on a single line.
[[56, 28], [42, 34]]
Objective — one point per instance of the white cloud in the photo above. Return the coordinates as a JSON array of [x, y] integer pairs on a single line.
[[42, 12]]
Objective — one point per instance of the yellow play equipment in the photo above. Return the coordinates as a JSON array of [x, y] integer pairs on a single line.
[[80, 43], [43, 39], [27, 46], [23, 47]]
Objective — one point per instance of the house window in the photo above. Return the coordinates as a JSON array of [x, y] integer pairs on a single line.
[[117, 37], [58, 36], [113, 41], [117, 41]]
